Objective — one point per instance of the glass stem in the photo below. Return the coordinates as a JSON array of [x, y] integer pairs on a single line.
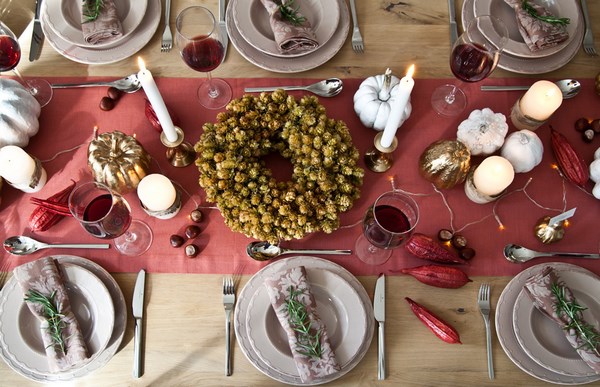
[[31, 89], [130, 236], [212, 90], [451, 96]]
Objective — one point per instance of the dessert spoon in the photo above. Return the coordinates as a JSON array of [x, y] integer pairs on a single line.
[[129, 84], [22, 245], [325, 88], [520, 254], [261, 251], [569, 88]]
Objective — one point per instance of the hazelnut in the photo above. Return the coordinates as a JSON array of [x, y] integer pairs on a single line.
[[445, 235], [467, 253], [595, 125], [459, 241], [176, 240], [582, 124], [114, 93], [191, 250], [192, 231], [107, 104], [196, 216], [588, 135]]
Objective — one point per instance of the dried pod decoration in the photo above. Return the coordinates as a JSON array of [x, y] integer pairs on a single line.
[[549, 233], [151, 116], [51, 210]]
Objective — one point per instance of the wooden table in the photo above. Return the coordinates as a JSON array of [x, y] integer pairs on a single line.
[[184, 317]]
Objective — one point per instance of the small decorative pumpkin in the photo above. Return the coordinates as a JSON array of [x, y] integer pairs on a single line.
[[595, 174], [445, 163], [483, 132], [375, 97], [549, 233], [19, 113], [117, 160], [523, 149]]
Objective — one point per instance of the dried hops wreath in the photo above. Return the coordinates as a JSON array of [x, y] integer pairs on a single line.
[[325, 179]]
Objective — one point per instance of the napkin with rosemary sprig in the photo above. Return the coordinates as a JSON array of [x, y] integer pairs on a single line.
[[296, 309], [291, 30], [99, 21], [556, 301], [45, 294], [539, 28]]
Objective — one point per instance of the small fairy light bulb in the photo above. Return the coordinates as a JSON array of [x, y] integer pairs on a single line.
[[501, 227], [392, 181], [566, 223]]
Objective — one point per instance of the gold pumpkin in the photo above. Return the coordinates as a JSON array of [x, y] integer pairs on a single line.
[[118, 160], [445, 163], [549, 233]]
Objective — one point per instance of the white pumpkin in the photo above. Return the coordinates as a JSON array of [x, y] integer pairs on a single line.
[[483, 132], [19, 113], [595, 173], [523, 149], [374, 99]]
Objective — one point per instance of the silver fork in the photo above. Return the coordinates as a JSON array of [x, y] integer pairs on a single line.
[[588, 38], [167, 37], [357, 40], [483, 300], [228, 302]]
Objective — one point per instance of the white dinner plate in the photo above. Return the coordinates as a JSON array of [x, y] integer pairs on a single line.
[[289, 65], [506, 333], [543, 340], [516, 45], [125, 49], [338, 306], [532, 65], [64, 17], [252, 21], [89, 291], [256, 283]]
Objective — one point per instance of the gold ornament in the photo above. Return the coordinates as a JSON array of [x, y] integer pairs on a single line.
[[549, 233], [117, 160], [445, 163]]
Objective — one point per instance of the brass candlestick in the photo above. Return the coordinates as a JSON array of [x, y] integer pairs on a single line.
[[380, 159], [179, 152]]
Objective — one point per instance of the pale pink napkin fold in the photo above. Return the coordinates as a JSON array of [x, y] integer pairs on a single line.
[[278, 287], [290, 38], [536, 33], [105, 28], [539, 288], [43, 276]]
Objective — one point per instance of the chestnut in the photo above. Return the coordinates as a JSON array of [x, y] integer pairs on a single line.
[[192, 231], [176, 240], [106, 104], [191, 250]]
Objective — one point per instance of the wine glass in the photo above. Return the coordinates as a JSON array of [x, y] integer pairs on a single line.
[[474, 56], [202, 48], [106, 215], [387, 223], [10, 55]]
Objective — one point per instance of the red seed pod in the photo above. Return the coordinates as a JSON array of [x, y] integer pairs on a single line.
[[439, 327], [439, 276], [45, 215], [424, 247]]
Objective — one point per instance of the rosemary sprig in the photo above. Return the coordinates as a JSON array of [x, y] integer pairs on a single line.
[[91, 10], [570, 308], [288, 12], [53, 316], [309, 342], [548, 19]]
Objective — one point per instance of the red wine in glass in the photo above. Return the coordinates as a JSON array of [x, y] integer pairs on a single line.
[[385, 226], [471, 62], [10, 53], [203, 53], [110, 218]]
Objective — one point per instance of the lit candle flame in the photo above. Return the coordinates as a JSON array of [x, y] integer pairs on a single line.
[[141, 63], [410, 71]]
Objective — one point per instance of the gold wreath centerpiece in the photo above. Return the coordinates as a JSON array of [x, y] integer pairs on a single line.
[[325, 178]]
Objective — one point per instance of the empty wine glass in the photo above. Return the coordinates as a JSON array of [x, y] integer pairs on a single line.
[[474, 56], [202, 48], [10, 55], [106, 215], [387, 223]]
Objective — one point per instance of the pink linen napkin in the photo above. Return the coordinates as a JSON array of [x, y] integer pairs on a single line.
[[536, 33], [105, 28], [538, 288], [278, 287], [43, 276], [290, 38]]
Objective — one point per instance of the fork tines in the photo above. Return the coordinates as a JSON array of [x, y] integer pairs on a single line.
[[228, 287]]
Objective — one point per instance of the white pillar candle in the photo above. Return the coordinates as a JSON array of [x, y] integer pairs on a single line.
[[493, 175], [157, 102], [16, 165], [541, 100], [156, 192], [397, 110]]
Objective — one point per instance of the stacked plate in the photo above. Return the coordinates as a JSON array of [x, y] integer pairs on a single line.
[[342, 303], [250, 32], [538, 345], [517, 57], [98, 304], [61, 23]]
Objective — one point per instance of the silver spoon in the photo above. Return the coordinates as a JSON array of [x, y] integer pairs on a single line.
[[129, 84], [261, 251], [22, 245], [520, 254], [325, 88], [569, 88]]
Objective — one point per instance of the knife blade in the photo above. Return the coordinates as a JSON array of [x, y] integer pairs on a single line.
[[223, 27], [453, 27], [37, 38], [138, 314], [379, 312]]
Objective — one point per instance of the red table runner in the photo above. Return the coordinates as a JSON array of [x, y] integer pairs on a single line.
[[69, 119]]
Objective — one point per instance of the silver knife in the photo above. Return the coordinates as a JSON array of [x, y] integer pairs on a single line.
[[222, 27], [379, 312], [37, 38], [138, 314], [453, 27]]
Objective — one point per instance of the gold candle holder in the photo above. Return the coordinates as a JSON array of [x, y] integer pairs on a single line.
[[380, 159], [179, 152], [167, 213]]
